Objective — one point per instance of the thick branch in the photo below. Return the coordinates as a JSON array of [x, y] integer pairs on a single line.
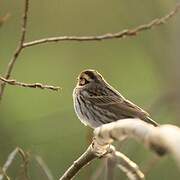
[[121, 34], [31, 85], [18, 49], [94, 151], [161, 139]]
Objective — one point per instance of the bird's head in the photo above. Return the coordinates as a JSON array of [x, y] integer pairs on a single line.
[[89, 76]]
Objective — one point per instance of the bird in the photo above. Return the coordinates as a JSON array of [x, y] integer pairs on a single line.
[[96, 102]]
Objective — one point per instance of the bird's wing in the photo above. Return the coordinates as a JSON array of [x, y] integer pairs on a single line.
[[119, 106]]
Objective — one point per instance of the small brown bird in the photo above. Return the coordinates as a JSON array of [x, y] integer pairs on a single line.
[[97, 103]]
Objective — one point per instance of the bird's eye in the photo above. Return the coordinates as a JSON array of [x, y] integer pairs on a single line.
[[83, 81]]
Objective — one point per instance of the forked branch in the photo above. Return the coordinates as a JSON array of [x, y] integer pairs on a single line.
[[97, 151], [10, 160], [18, 49], [161, 140], [118, 35], [121, 34]]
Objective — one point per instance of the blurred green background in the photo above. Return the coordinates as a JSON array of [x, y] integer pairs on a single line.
[[145, 69]]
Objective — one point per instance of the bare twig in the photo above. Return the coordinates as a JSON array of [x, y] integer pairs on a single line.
[[124, 33], [131, 170], [19, 48], [4, 174], [31, 85], [10, 160], [44, 167], [25, 158], [120, 160], [121, 34], [96, 150]]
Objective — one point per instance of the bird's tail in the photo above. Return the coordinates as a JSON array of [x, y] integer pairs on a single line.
[[150, 121]]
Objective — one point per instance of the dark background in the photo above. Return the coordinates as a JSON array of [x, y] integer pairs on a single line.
[[145, 69]]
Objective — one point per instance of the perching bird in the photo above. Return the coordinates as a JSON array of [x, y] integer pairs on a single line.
[[97, 103]]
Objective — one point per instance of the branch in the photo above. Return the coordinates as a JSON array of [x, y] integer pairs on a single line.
[[31, 85], [121, 34], [10, 160], [124, 33], [131, 169], [162, 139], [18, 49], [95, 150], [25, 159], [120, 160]]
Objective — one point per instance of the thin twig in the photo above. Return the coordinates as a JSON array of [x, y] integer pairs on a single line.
[[131, 169], [121, 34], [8, 162], [31, 85], [25, 158], [4, 174], [120, 160], [18, 49], [124, 33], [44, 167]]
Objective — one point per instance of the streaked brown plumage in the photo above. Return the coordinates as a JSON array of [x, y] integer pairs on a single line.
[[97, 103]]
